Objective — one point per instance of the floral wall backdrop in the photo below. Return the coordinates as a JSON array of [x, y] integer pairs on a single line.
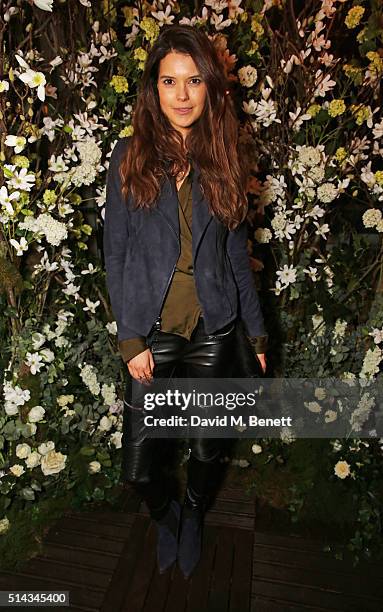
[[306, 78]]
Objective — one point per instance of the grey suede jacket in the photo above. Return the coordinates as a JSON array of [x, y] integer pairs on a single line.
[[141, 249]]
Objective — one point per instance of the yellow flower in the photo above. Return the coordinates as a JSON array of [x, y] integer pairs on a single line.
[[151, 28], [376, 65], [362, 36], [141, 55], [256, 27], [336, 107], [342, 469], [360, 112], [313, 109], [379, 177], [127, 131], [353, 72], [129, 16], [340, 154], [49, 197], [354, 16], [253, 48], [20, 160], [119, 84]]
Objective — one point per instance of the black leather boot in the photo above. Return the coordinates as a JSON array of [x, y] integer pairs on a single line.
[[190, 544], [167, 536]]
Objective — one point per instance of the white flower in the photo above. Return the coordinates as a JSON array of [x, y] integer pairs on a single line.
[[45, 447], [108, 392], [6, 200], [34, 361], [163, 17], [340, 328], [112, 328], [17, 470], [89, 377], [247, 76], [287, 275], [256, 449], [266, 113], [23, 451], [33, 460], [327, 192], [47, 355], [14, 397], [105, 424], [17, 142], [90, 269], [4, 523], [330, 416], [19, 246], [32, 79], [116, 439], [342, 469], [312, 273], [37, 340], [91, 306], [52, 463], [372, 217], [4, 86], [313, 406], [309, 156], [377, 334], [287, 435], [22, 180], [371, 362], [263, 235], [94, 467], [320, 393], [36, 414], [44, 5]]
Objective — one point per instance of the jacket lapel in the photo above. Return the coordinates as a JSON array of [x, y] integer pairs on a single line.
[[200, 215], [167, 206]]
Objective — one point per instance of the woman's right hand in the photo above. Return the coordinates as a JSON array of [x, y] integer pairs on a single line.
[[141, 367]]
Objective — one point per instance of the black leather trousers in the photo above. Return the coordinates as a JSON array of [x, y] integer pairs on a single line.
[[203, 356]]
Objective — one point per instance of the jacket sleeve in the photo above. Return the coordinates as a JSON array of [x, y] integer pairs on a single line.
[[116, 238], [250, 308]]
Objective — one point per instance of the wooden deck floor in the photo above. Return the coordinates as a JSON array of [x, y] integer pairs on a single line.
[[106, 560]]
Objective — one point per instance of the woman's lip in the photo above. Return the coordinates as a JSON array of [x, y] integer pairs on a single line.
[[183, 111]]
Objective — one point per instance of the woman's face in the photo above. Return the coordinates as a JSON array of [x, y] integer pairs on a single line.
[[182, 92]]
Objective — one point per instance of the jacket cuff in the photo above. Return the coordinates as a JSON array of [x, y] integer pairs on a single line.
[[259, 343], [131, 347]]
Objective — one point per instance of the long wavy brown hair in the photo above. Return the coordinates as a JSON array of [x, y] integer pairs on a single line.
[[157, 149]]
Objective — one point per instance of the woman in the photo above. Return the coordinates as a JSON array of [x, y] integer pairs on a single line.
[[177, 267]]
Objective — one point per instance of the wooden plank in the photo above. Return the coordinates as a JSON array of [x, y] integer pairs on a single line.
[[199, 588], [146, 566], [76, 556], [112, 518], [220, 583], [158, 592], [64, 573], [259, 604], [242, 572], [177, 594], [96, 529], [125, 568], [296, 593], [84, 541]]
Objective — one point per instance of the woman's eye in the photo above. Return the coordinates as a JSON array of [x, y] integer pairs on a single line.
[[195, 81]]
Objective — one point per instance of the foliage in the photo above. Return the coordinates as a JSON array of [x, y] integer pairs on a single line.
[[306, 78]]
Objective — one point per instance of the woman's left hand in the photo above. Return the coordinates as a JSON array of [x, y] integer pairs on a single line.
[[262, 359]]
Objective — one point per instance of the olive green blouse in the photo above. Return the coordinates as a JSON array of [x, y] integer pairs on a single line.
[[181, 309]]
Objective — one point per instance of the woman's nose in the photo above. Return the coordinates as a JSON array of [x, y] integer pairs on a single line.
[[181, 92]]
